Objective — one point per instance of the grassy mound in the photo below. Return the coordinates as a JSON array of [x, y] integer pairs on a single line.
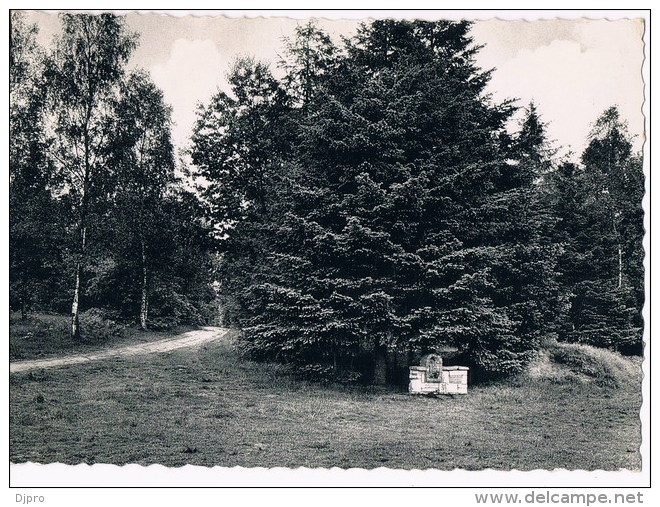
[[572, 363]]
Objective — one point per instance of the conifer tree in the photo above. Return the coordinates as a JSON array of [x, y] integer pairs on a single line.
[[309, 55], [397, 217]]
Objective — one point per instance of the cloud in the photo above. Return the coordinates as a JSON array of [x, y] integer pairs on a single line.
[[192, 74], [573, 70], [574, 79]]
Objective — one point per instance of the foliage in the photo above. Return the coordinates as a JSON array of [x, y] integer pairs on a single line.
[[368, 204], [384, 207], [236, 145], [34, 250], [599, 224], [395, 217], [310, 54], [44, 330], [96, 209], [98, 328], [83, 71]]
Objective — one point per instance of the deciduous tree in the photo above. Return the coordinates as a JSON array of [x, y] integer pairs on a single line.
[[141, 155], [84, 71], [35, 218]]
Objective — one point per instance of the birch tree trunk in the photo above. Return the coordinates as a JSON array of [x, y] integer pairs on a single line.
[[144, 306], [75, 305], [77, 290], [619, 249]]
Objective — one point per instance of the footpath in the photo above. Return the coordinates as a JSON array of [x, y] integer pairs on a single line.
[[189, 339]]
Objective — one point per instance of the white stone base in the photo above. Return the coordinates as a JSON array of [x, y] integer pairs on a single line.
[[453, 380]]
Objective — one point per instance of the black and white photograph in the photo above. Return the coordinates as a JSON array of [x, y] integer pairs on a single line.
[[404, 241]]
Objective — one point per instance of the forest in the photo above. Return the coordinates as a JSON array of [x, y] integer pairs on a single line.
[[352, 203]]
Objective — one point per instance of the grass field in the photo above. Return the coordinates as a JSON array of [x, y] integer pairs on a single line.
[[210, 407]]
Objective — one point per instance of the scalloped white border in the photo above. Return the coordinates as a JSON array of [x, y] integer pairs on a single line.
[[58, 475]]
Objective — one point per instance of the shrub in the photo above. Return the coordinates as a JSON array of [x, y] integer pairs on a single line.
[[163, 323], [169, 309], [97, 327]]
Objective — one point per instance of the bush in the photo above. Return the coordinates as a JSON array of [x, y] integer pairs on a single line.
[[169, 309], [46, 334], [97, 327], [163, 323]]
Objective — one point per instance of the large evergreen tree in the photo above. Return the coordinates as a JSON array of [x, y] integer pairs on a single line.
[[398, 219]]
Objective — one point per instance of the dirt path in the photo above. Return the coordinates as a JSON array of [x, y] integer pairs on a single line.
[[189, 339]]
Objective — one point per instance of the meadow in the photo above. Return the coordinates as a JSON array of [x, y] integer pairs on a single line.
[[577, 408]]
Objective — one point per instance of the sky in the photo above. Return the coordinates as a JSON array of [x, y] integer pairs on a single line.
[[573, 69]]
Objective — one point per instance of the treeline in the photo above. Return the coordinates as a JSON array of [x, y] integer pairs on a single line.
[[371, 200], [98, 217]]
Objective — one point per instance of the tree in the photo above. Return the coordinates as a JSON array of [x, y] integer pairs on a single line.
[[140, 153], [34, 234], [531, 144], [608, 303], [396, 220], [607, 160], [418, 159], [23, 56], [535, 157], [309, 55], [600, 227], [236, 146], [84, 70], [239, 145]]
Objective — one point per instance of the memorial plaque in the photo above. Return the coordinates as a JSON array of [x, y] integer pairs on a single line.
[[434, 364]]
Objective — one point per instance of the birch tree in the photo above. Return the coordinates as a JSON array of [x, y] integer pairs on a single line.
[[607, 305], [142, 157], [84, 70], [607, 160]]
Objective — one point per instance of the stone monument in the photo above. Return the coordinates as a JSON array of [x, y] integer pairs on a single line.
[[431, 377]]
